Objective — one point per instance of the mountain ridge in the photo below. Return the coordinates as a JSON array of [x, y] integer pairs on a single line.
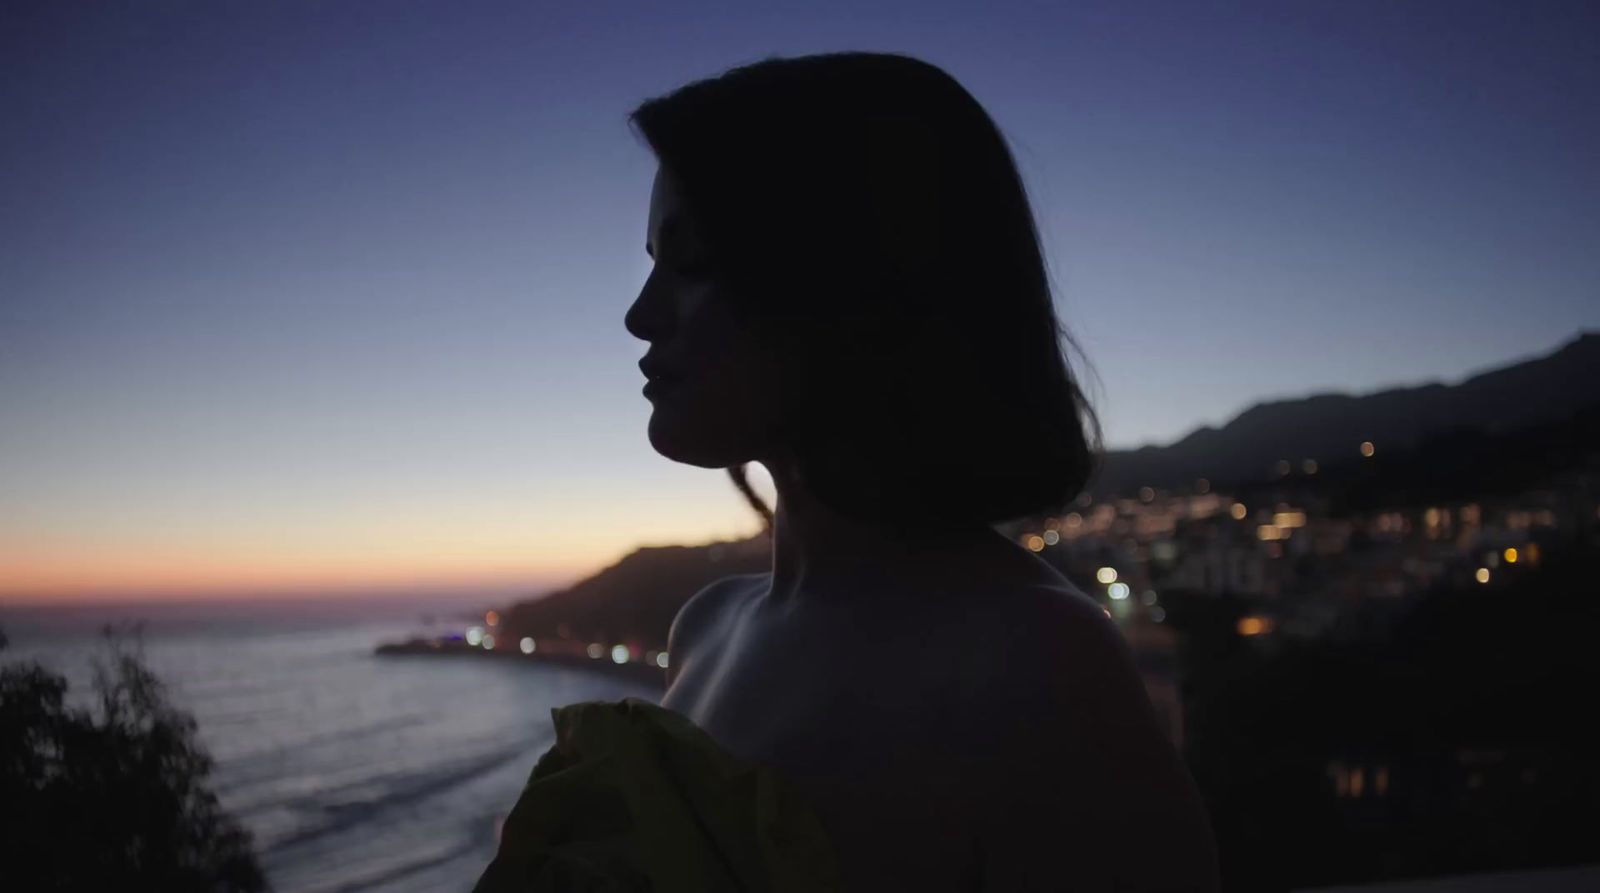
[[1328, 425]]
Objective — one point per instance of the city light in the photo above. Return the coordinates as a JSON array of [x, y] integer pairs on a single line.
[[1146, 494], [527, 645], [1511, 556], [1482, 575], [595, 650], [1117, 591], [1268, 532], [1035, 542], [1289, 519], [488, 642], [1367, 448], [619, 654], [1202, 486], [1158, 614], [1282, 467], [475, 636], [1238, 511], [492, 618], [1051, 537], [1149, 597], [661, 660], [1309, 466], [1254, 626], [1106, 575]]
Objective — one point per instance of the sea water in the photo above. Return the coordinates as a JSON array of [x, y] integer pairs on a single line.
[[352, 772]]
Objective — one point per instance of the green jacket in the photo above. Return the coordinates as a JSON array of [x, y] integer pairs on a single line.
[[636, 797]]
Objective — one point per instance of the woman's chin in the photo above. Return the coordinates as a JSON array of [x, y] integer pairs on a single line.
[[675, 441]]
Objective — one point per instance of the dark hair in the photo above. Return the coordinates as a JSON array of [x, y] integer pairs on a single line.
[[864, 212]]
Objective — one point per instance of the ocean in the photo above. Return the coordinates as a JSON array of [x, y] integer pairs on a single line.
[[353, 772]]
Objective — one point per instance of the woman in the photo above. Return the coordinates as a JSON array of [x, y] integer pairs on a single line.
[[848, 289]]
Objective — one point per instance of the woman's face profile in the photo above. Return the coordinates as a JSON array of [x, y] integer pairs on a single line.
[[713, 404]]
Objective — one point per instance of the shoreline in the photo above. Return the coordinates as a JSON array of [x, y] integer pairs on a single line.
[[635, 671]]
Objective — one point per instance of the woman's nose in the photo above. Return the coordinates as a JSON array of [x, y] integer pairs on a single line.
[[647, 319]]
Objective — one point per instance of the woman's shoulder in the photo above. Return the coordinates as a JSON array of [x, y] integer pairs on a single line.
[[1022, 599], [1065, 720], [706, 611]]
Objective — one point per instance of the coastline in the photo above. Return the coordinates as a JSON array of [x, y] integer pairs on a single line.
[[633, 671]]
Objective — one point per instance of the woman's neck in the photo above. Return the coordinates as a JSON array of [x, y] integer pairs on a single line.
[[820, 554]]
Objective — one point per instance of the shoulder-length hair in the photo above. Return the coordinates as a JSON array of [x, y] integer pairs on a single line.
[[864, 212]]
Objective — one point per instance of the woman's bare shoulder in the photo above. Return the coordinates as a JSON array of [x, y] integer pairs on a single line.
[[705, 612], [1046, 638], [1066, 720]]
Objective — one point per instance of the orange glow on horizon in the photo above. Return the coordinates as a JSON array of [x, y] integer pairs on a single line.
[[92, 572], [110, 582], [340, 545]]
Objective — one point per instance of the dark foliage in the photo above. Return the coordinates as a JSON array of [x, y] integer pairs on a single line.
[[114, 797]]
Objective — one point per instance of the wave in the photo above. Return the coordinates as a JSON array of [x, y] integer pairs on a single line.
[[405, 788], [420, 863], [255, 766]]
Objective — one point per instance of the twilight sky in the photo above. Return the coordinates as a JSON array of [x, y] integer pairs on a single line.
[[328, 297]]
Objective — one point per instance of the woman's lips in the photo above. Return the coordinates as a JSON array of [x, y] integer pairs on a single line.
[[656, 387]]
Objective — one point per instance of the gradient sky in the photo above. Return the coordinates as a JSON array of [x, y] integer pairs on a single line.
[[329, 296]]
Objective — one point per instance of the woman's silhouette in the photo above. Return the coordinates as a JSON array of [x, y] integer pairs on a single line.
[[848, 289]]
